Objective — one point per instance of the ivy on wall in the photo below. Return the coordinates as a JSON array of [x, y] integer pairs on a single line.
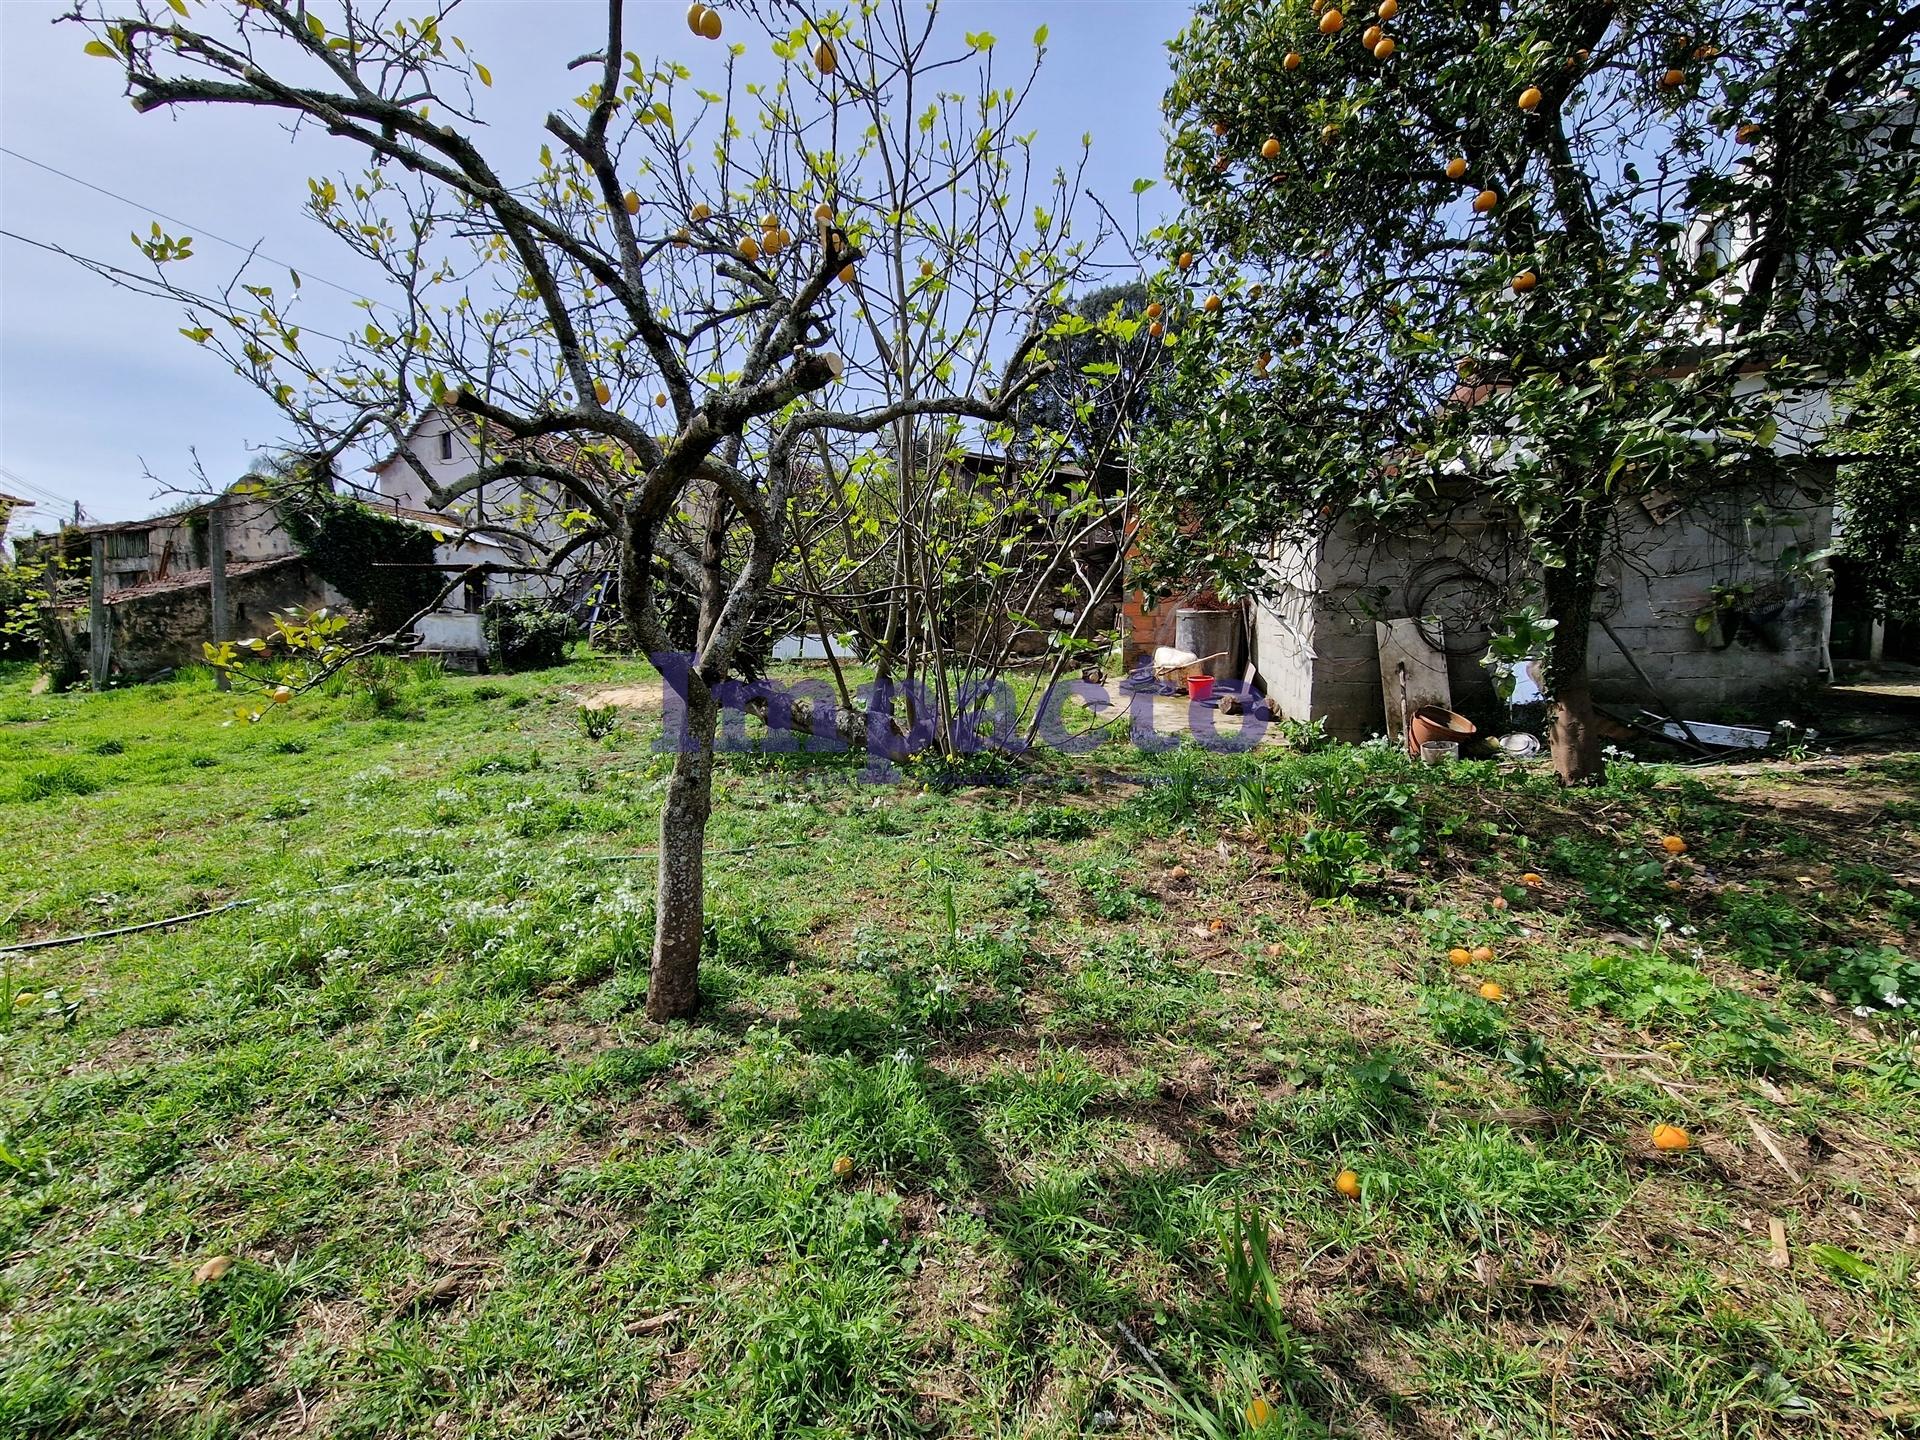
[[352, 548]]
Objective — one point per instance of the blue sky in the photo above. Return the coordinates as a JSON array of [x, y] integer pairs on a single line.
[[97, 386]]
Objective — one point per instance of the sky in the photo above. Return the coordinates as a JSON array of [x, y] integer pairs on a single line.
[[102, 401]]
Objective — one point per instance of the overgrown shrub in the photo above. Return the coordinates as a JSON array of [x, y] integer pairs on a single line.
[[528, 634], [368, 557]]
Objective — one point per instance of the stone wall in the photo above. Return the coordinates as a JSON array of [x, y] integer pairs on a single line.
[[1318, 653], [163, 626]]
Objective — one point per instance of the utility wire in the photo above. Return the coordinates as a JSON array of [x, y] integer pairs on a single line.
[[176, 220], [53, 497]]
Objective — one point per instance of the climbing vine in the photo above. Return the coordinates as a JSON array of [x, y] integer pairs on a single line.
[[355, 549]]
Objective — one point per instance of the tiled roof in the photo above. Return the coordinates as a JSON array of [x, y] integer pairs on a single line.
[[195, 579]]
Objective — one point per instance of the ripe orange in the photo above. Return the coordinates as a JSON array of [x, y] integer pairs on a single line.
[[1259, 1413], [1456, 168], [1370, 36], [710, 24], [601, 392], [695, 13], [1706, 52], [1674, 79], [1524, 282], [1491, 991], [1254, 292], [1480, 954], [1329, 132], [1211, 304], [1156, 310], [846, 273], [1747, 133], [1671, 1137], [769, 222], [699, 213], [1292, 62], [1219, 127], [1185, 262], [1270, 149], [843, 1166], [1499, 902], [1673, 845], [1388, 9], [1459, 955], [661, 400], [632, 202], [1530, 98], [1485, 201], [1331, 22], [1531, 880], [926, 268], [824, 60], [1156, 330], [283, 694], [1348, 1184], [683, 236], [1385, 48], [823, 212], [749, 248]]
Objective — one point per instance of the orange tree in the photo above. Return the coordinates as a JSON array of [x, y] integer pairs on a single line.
[[698, 277], [1540, 255]]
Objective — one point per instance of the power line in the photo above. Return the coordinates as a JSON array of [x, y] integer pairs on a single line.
[[176, 220], [40, 491]]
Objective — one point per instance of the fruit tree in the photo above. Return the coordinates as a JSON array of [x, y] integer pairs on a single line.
[[704, 273], [1541, 255]]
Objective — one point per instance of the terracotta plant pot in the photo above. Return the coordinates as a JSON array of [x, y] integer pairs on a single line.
[[1431, 722]]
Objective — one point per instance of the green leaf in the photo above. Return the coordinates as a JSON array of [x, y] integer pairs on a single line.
[[486, 75], [1843, 1263], [1040, 36], [314, 25], [981, 41], [102, 49]]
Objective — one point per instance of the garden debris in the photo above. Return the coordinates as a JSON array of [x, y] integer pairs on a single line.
[[1777, 1256], [1719, 737], [1772, 1147], [211, 1270]]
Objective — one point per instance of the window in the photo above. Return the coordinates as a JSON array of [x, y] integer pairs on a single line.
[[446, 444]]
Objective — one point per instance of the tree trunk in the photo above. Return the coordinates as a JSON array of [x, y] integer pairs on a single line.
[[673, 982], [1569, 587]]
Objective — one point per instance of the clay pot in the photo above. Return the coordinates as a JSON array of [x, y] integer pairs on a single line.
[[1432, 722]]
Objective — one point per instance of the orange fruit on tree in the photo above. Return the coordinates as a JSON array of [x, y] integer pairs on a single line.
[[1480, 954], [1270, 148], [824, 60], [683, 236], [601, 392], [1329, 131], [710, 26], [1259, 1414], [1156, 330], [1254, 292], [1673, 845], [1388, 9], [1348, 1184], [1292, 62], [1491, 991], [1674, 79], [632, 202], [1185, 262], [823, 212], [1747, 133], [1485, 201], [926, 268], [1524, 282], [699, 213], [1385, 48], [1156, 310], [846, 273], [749, 248], [1671, 1137], [1530, 98], [1456, 168], [1331, 22], [695, 13], [283, 694], [1370, 36], [661, 400], [1459, 955], [1211, 304]]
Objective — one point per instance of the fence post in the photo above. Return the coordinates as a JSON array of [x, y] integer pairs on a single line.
[[99, 636], [217, 583]]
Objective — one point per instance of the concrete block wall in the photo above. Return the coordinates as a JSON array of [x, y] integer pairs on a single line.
[[1318, 654]]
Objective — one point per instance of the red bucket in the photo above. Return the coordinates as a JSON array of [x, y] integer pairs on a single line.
[[1200, 687]]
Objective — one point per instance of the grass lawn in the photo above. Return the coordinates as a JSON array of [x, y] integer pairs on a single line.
[[1013, 1111]]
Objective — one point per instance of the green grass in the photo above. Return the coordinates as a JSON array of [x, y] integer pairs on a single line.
[[1081, 1043]]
